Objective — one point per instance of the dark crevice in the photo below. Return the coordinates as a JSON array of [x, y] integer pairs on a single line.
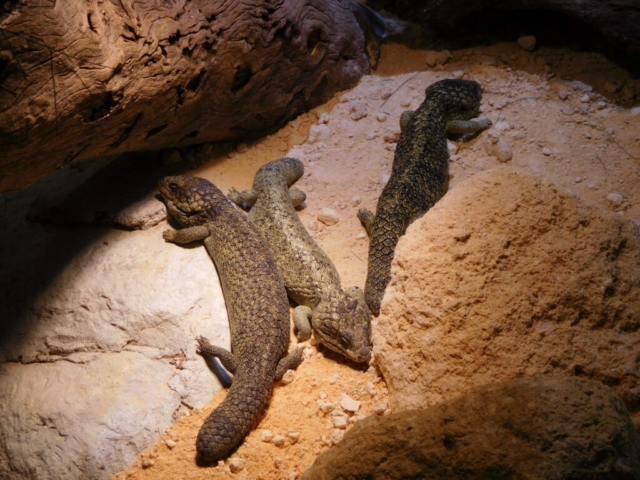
[[110, 101], [259, 117], [90, 22], [174, 37], [193, 134], [127, 131], [313, 39], [180, 94], [156, 130], [194, 83], [241, 78], [133, 32]]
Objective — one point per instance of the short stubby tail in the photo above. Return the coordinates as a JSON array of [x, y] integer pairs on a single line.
[[231, 421], [286, 170]]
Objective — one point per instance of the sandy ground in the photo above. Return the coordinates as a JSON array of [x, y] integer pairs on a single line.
[[583, 136]]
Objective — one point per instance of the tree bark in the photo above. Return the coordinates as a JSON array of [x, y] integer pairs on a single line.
[[84, 78]]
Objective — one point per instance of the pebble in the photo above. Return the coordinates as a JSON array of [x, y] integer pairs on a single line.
[[392, 136], [546, 152], [328, 216], [635, 111], [277, 462], [294, 475], [334, 378], [236, 464], [563, 95], [357, 110], [527, 42], [581, 86], [502, 126], [279, 440], [503, 151], [294, 436], [361, 236], [567, 109], [147, 463], [325, 407], [322, 395], [585, 98], [384, 178], [615, 199], [337, 436], [266, 436], [370, 388], [433, 58], [379, 408], [242, 147], [318, 133], [313, 225], [170, 444], [457, 74], [324, 118], [452, 147], [601, 105], [355, 201], [339, 422], [381, 117], [288, 377], [348, 404]]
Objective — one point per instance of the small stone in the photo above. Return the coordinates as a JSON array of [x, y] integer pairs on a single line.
[[601, 105], [357, 110], [567, 109], [279, 440], [361, 236], [563, 95], [293, 475], [452, 147], [391, 136], [370, 388], [266, 436], [325, 407], [277, 462], [322, 395], [611, 86], [502, 126], [384, 177], [147, 463], [503, 151], [381, 117], [313, 225], [328, 216], [457, 74], [581, 86], [170, 444], [379, 408], [348, 404], [355, 201], [318, 133], [546, 152], [339, 422], [236, 464], [334, 378], [242, 147], [585, 98], [294, 436], [615, 199], [434, 58], [288, 377], [337, 436], [527, 42], [324, 118], [635, 111]]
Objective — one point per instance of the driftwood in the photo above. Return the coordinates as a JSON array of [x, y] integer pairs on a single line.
[[80, 79], [617, 20]]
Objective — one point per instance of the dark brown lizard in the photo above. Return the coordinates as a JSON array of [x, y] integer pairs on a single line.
[[420, 173], [256, 303]]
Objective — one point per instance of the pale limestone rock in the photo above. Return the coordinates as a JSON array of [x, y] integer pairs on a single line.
[[541, 427], [508, 276]]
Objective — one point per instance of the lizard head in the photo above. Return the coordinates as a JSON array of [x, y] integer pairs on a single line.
[[344, 325], [187, 197], [462, 97]]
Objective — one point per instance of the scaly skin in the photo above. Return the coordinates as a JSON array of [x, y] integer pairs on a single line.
[[340, 319], [256, 302], [420, 173]]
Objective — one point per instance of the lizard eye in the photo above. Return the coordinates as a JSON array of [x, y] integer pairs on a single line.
[[173, 187]]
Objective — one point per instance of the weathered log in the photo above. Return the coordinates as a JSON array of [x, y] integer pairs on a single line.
[[617, 20], [80, 79]]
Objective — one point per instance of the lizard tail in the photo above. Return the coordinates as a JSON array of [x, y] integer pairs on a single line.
[[234, 418]]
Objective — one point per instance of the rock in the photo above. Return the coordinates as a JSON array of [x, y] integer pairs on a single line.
[[615, 199], [433, 58], [266, 436], [171, 444], [506, 276], [293, 436], [237, 464], [580, 86], [339, 421], [527, 42], [279, 440], [318, 133], [348, 404], [542, 427], [328, 216], [379, 408], [336, 436], [357, 110], [97, 344], [635, 111]]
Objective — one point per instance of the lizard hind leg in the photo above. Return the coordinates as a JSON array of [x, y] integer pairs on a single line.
[[227, 359], [245, 199], [290, 362], [302, 316], [366, 217]]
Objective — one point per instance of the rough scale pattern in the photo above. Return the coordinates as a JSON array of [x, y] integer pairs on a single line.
[[420, 173], [339, 318], [256, 302]]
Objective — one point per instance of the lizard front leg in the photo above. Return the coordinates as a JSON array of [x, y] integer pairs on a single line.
[[186, 235], [302, 316]]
